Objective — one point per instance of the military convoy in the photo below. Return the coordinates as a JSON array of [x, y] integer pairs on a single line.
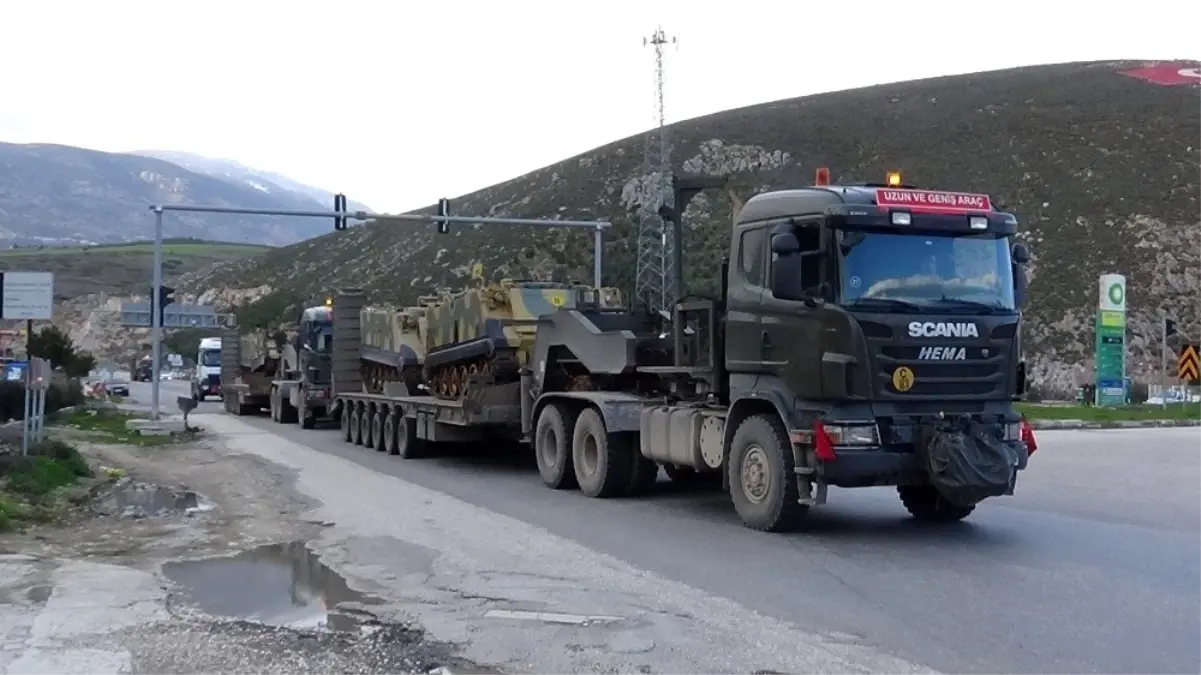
[[864, 335]]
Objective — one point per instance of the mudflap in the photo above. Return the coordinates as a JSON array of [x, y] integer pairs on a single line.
[[966, 462]]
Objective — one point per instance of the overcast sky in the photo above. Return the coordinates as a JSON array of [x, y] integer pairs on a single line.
[[399, 103]]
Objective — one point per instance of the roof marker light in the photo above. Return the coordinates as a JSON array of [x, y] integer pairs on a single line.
[[978, 223], [901, 218]]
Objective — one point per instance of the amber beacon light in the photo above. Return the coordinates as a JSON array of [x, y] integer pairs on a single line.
[[894, 179]]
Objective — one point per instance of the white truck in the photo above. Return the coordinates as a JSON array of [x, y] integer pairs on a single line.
[[206, 379]]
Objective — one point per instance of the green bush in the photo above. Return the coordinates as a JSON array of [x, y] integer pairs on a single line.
[[12, 398]]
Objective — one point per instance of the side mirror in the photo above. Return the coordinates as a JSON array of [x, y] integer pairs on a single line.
[[785, 244], [1020, 253]]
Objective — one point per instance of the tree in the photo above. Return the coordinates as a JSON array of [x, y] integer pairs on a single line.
[[54, 345]]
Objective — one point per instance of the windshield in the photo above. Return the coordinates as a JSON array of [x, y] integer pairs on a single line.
[[210, 358], [927, 270], [321, 337]]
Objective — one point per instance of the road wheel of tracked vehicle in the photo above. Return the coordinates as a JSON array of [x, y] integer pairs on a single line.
[[389, 434], [377, 430], [365, 419], [408, 446], [602, 461], [347, 422], [763, 484], [644, 474], [925, 502], [356, 426], [552, 446]]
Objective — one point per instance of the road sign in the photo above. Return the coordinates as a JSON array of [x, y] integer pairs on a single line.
[[137, 315], [27, 295], [1110, 351], [1188, 365]]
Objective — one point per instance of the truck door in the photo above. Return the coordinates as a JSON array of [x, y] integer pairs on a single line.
[[747, 286], [791, 331]]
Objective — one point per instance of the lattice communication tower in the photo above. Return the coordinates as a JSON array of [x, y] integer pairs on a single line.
[[655, 282]]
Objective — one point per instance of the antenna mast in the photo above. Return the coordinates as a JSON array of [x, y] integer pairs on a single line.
[[655, 283]]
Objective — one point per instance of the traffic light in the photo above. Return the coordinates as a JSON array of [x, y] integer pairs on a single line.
[[340, 207], [443, 210], [166, 296], [1169, 327]]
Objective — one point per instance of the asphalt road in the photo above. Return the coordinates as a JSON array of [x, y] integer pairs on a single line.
[[1093, 566]]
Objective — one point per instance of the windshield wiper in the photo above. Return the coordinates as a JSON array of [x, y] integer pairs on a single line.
[[988, 307], [885, 304]]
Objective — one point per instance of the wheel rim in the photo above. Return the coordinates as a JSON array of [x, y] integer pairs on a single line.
[[756, 479], [548, 444], [590, 454]]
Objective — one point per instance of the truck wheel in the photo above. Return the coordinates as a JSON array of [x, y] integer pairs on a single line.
[[925, 502], [356, 428], [603, 462], [365, 418], [377, 431], [763, 485], [552, 446], [408, 446], [388, 430], [348, 424], [645, 473]]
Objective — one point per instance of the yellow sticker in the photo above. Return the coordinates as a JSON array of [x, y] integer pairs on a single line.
[[902, 379], [557, 300]]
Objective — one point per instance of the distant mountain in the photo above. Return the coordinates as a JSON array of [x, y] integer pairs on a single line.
[[57, 194], [236, 172]]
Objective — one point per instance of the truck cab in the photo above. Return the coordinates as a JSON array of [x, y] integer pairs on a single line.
[[868, 315], [301, 391], [206, 378]]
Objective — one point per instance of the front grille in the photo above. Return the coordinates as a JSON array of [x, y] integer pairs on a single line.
[[981, 373]]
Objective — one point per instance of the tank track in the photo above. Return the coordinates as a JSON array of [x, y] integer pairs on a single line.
[[452, 381]]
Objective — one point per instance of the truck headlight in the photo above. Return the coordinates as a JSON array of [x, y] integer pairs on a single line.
[[1013, 431], [853, 434]]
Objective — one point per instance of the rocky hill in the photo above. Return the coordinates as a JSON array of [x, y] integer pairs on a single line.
[[55, 194], [236, 172], [1102, 169]]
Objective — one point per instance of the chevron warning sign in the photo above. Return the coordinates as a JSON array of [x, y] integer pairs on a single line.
[[1188, 366]]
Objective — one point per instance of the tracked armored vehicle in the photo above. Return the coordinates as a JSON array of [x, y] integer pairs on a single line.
[[248, 367], [394, 344], [485, 334]]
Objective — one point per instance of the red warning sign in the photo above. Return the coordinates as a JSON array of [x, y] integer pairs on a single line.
[[933, 201], [1168, 74]]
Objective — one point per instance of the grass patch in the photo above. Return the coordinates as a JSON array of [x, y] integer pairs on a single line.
[[1173, 411], [108, 426], [31, 486]]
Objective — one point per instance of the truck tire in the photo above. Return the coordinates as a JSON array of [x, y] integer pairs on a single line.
[[308, 421], [377, 431], [552, 446], [365, 419], [347, 423], [645, 473], [408, 446], [356, 428], [924, 502], [603, 462], [763, 485]]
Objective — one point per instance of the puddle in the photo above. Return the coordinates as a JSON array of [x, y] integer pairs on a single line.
[[277, 584]]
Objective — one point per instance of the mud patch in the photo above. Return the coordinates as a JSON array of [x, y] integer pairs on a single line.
[[128, 498], [278, 584]]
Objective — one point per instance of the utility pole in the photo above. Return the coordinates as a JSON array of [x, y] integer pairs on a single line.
[[655, 282]]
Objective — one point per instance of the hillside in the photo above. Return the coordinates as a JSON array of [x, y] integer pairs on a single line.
[[63, 194], [1101, 168], [236, 172], [120, 269]]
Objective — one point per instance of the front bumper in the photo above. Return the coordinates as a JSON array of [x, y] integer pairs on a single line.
[[894, 459]]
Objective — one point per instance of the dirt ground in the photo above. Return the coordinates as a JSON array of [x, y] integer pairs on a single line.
[[91, 596]]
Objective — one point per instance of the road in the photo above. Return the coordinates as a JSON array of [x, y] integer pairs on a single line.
[[1093, 566]]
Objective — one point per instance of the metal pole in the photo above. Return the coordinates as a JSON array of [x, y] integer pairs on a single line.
[[25, 418], [39, 415], [597, 246], [1163, 359], [156, 328]]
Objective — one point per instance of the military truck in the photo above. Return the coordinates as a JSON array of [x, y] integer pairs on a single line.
[[864, 335], [248, 366], [301, 385]]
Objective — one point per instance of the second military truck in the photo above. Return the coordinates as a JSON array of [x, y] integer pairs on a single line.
[[864, 335]]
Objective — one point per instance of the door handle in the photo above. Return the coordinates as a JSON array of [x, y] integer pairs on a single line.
[[765, 340]]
